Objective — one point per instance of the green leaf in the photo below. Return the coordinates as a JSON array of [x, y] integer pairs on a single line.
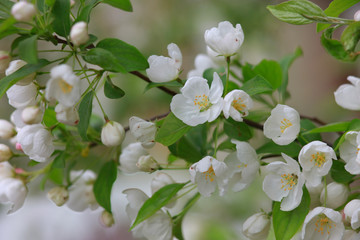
[[7, 26], [258, 115], [121, 4], [85, 110], [171, 130], [237, 130], [296, 11], [61, 14], [248, 72], [351, 36], [332, 127], [339, 174], [291, 149], [209, 74], [104, 59], [49, 118], [85, 13], [286, 224], [104, 183], [157, 201], [335, 8], [28, 69], [59, 161], [271, 71], [354, 125], [127, 55], [111, 91], [227, 145], [257, 85], [28, 49], [305, 126]]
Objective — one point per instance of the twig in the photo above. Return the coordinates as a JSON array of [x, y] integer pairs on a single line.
[[253, 124], [314, 119]]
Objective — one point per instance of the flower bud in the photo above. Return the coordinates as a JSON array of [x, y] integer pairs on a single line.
[[352, 213], [107, 219], [143, 131], [147, 164], [79, 33], [337, 195], [72, 3], [357, 16], [5, 153], [257, 226], [31, 115], [23, 11], [58, 195], [130, 156], [16, 65], [4, 61], [7, 130], [6, 170], [112, 134], [67, 115]]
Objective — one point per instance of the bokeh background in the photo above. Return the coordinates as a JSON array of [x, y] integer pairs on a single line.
[[151, 27]]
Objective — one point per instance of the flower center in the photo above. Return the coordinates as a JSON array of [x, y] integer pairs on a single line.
[[242, 165], [209, 174], [238, 104], [64, 86], [285, 123], [318, 158], [288, 181], [202, 102], [324, 224]]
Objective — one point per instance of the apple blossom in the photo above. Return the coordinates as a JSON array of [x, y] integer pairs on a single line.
[[7, 130], [79, 33], [160, 180], [58, 195], [4, 61], [143, 131], [225, 39], [165, 69], [207, 174], [23, 11], [16, 65], [351, 235], [67, 115], [352, 213], [5, 153], [112, 134], [36, 142], [156, 227], [337, 194], [257, 226], [237, 104], [357, 16], [130, 156], [147, 164], [349, 152], [197, 103], [22, 96], [63, 86], [323, 224], [16, 119], [347, 95], [283, 125], [31, 115], [13, 191], [202, 62], [284, 182], [315, 159]]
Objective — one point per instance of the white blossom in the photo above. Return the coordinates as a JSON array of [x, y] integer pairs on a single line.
[[12, 191], [351, 235], [31, 115], [165, 69], [160, 180], [237, 104], [202, 62], [352, 213], [349, 152], [143, 131], [323, 224], [257, 226], [67, 115], [4, 61], [337, 194], [63, 86], [357, 16], [147, 163], [5, 152], [79, 33], [209, 173], [16, 65], [36, 142], [197, 103], [16, 119], [81, 195], [6, 170], [156, 227], [23, 11], [112, 134], [348, 95], [284, 182], [130, 156], [316, 160], [22, 96], [107, 219], [7, 130], [283, 125], [225, 39], [58, 195]]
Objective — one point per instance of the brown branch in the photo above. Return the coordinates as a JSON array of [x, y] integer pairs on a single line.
[[253, 124], [314, 119]]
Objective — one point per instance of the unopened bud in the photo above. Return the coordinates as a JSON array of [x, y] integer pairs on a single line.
[[4, 61], [58, 195], [72, 3], [79, 33], [257, 226], [23, 11], [112, 134], [357, 16], [16, 65], [147, 164], [107, 219], [337, 194], [7, 130], [5, 153], [31, 115]]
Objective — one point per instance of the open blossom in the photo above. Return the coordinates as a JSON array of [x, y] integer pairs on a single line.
[[237, 104], [209, 173], [16, 65], [143, 131], [351, 234], [348, 95], [156, 227], [165, 69], [257, 226], [323, 224], [284, 182], [22, 96], [337, 194], [316, 160], [242, 166], [225, 39], [67, 115], [202, 62], [197, 103], [81, 195], [130, 156], [283, 125], [63, 86], [112, 134], [349, 152], [79, 33], [23, 11], [36, 142], [352, 213]]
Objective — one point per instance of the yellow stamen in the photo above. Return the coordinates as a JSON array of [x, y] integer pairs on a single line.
[[202, 102], [64, 86], [288, 181], [209, 174], [318, 158], [238, 104], [324, 225], [285, 124]]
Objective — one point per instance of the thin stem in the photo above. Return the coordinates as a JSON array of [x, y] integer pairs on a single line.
[[254, 124], [325, 188], [227, 75], [216, 135], [146, 79]]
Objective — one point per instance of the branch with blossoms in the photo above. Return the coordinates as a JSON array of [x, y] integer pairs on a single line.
[[214, 113]]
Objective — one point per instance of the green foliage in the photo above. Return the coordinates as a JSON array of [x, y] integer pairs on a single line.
[[305, 126], [257, 85], [61, 12], [291, 149], [104, 59], [49, 118], [339, 174], [121, 4], [237, 130], [85, 110], [112, 91], [332, 127], [286, 224], [271, 71], [351, 36], [28, 49], [84, 14], [104, 183], [59, 160]]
